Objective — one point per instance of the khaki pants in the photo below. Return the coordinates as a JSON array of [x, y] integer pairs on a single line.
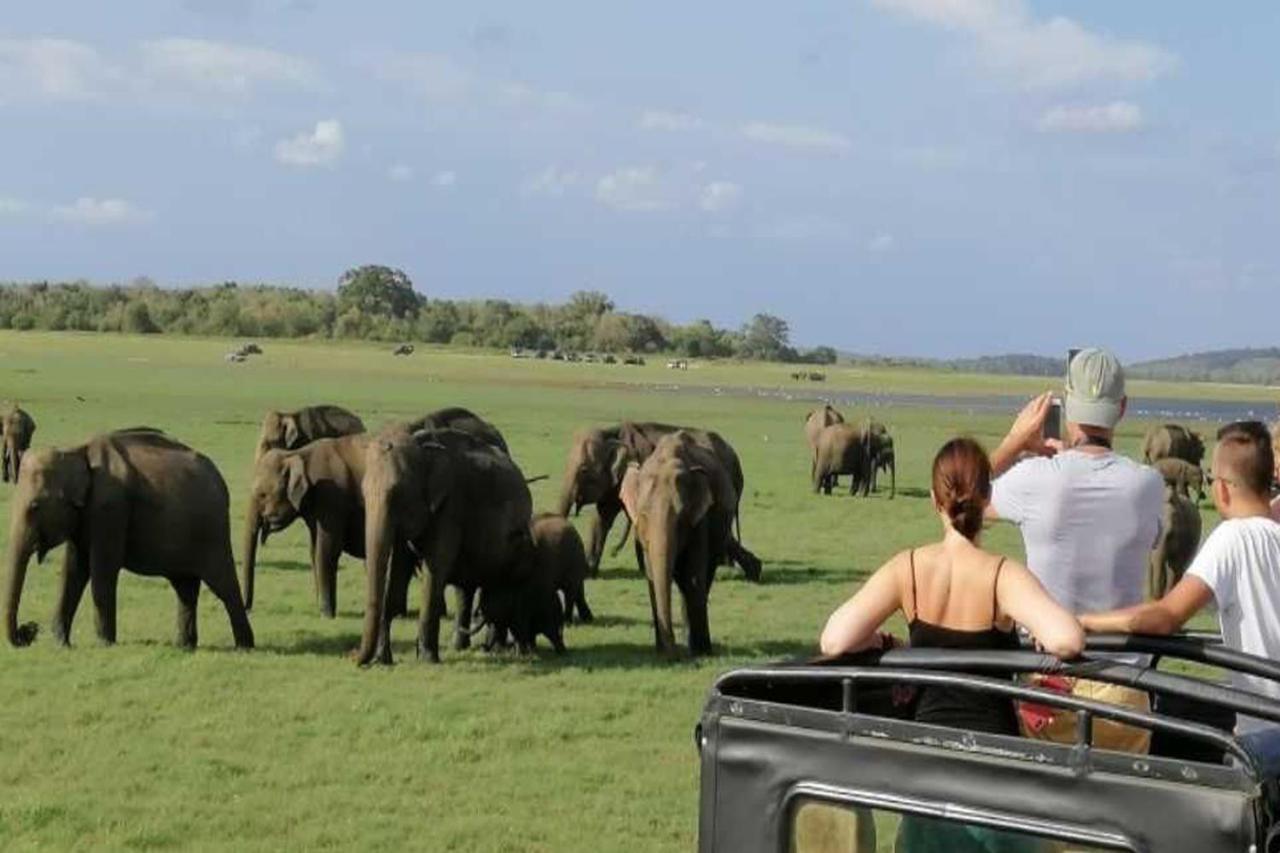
[[1107, 734]]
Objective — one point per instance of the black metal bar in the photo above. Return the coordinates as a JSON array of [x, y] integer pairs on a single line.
[[846, 695], [1197, 648], [1119, 713]]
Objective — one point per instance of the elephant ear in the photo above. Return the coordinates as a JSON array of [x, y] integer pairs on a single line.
[[439, 475], [291, 434], [630, 490], [78, 481], [696, 494], [296, 481]]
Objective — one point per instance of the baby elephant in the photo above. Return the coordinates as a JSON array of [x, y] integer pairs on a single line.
[[1178, 543], [1181, 475], [558, 553], [16, 429]]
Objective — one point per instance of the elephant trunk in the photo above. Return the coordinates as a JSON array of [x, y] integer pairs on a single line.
[[252, 532], [622, 540], [378, 540], [21, 546], [660, 560], [568, 494]]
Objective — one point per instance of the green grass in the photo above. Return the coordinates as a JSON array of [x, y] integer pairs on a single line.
[[142, 746]]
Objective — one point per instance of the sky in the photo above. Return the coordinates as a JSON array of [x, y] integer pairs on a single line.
[[911, 177]]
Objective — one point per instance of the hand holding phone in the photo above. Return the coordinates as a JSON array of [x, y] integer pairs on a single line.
[[1051, 429]]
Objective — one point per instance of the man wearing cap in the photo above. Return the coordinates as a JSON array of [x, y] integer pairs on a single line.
[[1089, 517]]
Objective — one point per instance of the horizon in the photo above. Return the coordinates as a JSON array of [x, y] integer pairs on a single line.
[[1091, 172]]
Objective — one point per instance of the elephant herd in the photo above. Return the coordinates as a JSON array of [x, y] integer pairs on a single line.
[[1176, 452], [439, 496], [838, 448]]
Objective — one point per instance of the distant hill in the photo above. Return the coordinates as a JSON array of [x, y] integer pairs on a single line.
[[1018, 364], [1245, 366]]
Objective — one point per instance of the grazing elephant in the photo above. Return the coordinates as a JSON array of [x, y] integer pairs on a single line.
[[319, 482], [1172, 440], [882, 458], [133, 499], [815, 422], [534, 607], [1181, 475], [598, 461], [681, 502], [456, 417], [842, 449], [291, 430], [459, 504], [1179, 540], [16, 429]]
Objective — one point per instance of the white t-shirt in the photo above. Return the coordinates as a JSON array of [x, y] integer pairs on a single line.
[[1240, 562], [1088, 522]]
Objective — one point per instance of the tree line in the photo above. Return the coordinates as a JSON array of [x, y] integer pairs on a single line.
[[381, 303]]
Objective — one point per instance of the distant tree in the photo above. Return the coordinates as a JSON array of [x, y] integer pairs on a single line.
[[766, 338], [379, 291], [137, 319], [821, 355]]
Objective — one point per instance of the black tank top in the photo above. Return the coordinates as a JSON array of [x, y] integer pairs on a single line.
[[955, 706]]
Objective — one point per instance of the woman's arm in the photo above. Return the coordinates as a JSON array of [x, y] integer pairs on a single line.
[[1022, 598], [853, 626]]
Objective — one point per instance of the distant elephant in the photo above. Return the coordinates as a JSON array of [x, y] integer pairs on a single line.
[[1183, 476], [597, 463], [815, 422], [842, 449], [133, 499], [682, 502], [1179, 540], [1172, 440], [882, 457], [16, 429], [534, 606], [291, 430], [456, 417], [319, 482], [461, 505]]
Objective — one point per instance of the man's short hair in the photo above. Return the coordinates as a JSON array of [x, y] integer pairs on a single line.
[[1245, 455]]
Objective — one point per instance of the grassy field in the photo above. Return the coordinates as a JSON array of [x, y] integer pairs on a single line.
[[142, 746]]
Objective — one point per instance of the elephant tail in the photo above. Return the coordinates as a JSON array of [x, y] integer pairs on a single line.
[[528, 481]]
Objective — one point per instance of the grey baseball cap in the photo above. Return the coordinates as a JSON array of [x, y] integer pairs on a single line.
[[1095, 388]]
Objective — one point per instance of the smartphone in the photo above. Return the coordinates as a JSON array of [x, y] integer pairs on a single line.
[[1053, 421]]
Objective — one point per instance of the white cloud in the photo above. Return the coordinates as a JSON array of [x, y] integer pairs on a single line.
[[798, 136], [669, 121], [881, 243], [552, 181], [319, 147], [433, 76], [57, 69], [1115, 117], [444, 179], [1039, 53], [221, 67], [633, 189], [719, 196], [400, 173], [99, 212]]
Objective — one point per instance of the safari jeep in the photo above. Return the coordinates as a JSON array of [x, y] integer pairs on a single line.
[[825, 757]]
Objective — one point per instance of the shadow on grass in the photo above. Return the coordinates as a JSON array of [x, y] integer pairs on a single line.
[[794, 572], [285, 565]]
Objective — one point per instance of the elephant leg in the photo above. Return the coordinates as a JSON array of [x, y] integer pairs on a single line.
[[606, 512], [464, 600], [893, 479], [188, 592], [4, 464], [315, 563], [429, 619], [103, 580], [326, 549], [691, 580], [75, 577], [221, 580], [580, 602], [747, 561], [398, 582]]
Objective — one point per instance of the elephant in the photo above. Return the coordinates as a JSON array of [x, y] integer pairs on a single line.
[[882, 457], [681, 502], [842, 449], [134, 499], [462, 506], [16, 429], [1181, 475], [534, 607], [597, 463], [291, 430], [456, 417], [319, 482], [815, 422], [1172, 440], [1179, 540]]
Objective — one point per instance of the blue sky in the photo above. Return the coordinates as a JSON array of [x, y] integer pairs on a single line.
[[931, 177]]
